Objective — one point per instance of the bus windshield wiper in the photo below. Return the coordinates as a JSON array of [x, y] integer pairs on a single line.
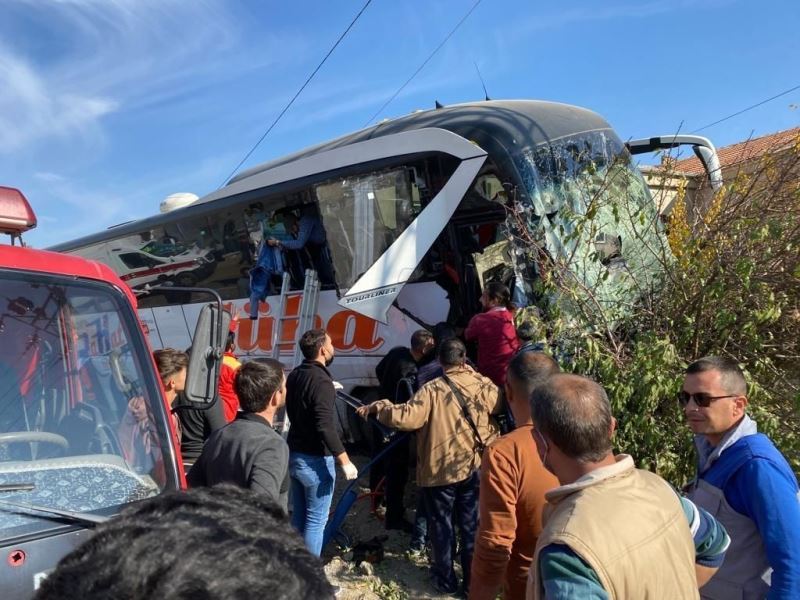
[[17, 487], [52, 513]]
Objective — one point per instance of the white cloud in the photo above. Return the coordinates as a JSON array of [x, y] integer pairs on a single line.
[[115, 55], [31, 109], [48, 177]]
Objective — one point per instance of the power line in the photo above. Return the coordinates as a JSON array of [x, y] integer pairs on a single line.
[[744, 110], [425, 62], [310, 77]]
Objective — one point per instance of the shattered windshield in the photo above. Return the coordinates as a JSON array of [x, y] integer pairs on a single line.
[[588, 207], [80, 429]]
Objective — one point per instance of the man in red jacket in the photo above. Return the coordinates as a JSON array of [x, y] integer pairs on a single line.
[[227, 373], [494, 332]]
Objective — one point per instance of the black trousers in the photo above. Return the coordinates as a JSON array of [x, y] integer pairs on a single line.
[[448, 507], [396, 479], [394, 467]]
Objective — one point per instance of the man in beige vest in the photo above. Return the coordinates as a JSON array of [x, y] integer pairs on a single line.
[[610, 530]]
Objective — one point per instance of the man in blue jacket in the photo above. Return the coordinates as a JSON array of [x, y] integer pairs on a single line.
[[745, 482]]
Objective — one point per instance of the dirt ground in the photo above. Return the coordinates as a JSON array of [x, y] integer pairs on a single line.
[[398, 576]]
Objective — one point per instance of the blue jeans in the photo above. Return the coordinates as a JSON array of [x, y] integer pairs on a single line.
[[312, 479], [420, 533]]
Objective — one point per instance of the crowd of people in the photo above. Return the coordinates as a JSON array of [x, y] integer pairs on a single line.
[[541, 507]]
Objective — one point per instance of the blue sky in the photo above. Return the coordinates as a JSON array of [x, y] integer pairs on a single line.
[[108, 106]]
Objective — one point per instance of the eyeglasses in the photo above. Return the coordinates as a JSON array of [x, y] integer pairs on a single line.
[[701, 399]]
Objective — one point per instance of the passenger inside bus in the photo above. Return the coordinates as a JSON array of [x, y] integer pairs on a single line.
[[309, 234], [265, 275]]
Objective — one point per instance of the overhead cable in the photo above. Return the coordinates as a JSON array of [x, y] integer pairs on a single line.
[[302, 87], [425, 62], [744, 110]]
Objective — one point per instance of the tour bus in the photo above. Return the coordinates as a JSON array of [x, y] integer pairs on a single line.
[[418, 213], [84, 425]]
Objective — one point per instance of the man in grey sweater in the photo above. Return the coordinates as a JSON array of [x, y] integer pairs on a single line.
[[248, 452]]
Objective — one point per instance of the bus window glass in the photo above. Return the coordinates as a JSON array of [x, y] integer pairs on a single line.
[[363, 215], [78, 419]]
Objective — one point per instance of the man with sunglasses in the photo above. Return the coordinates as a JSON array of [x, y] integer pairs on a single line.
[[745, 482], [610, 530]]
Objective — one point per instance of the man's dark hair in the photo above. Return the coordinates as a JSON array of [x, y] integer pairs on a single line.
[[499, 293], [527, 332], [732, 378], [230, 341], [311, 342], [256, 381], [529, 369], [209, 543], [443, 331], [170, 362], [420, 338], [452, 353], [574, 412]]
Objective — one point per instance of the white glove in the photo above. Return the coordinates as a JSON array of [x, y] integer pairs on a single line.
[[337, 385], [350, 471]]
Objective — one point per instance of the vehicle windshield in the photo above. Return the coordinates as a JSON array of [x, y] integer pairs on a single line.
[[589, 208], [80, 429]]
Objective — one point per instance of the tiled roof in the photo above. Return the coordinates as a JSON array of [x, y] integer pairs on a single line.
[[743, 151]]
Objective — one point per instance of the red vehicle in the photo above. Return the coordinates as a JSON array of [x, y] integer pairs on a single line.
[[84, 426]]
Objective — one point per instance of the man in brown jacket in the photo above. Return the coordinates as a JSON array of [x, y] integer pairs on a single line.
[[513, 484], [451, 417]]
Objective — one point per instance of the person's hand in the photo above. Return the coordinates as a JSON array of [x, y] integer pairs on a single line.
[[138, 408], [365, 411], [272, 242], [337, 385], [350, 471]]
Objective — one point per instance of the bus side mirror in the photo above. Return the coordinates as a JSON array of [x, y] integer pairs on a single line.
[[208, 346]]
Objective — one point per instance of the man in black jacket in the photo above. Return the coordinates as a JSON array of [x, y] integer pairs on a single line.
[[397, 375], [248, 452], [197, 425], [313, 438]]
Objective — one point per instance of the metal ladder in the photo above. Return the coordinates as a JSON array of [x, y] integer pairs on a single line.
[[309, 302]]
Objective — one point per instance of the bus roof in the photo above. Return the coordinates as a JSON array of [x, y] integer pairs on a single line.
[[537, 121], [53, 263], [489, 124]]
